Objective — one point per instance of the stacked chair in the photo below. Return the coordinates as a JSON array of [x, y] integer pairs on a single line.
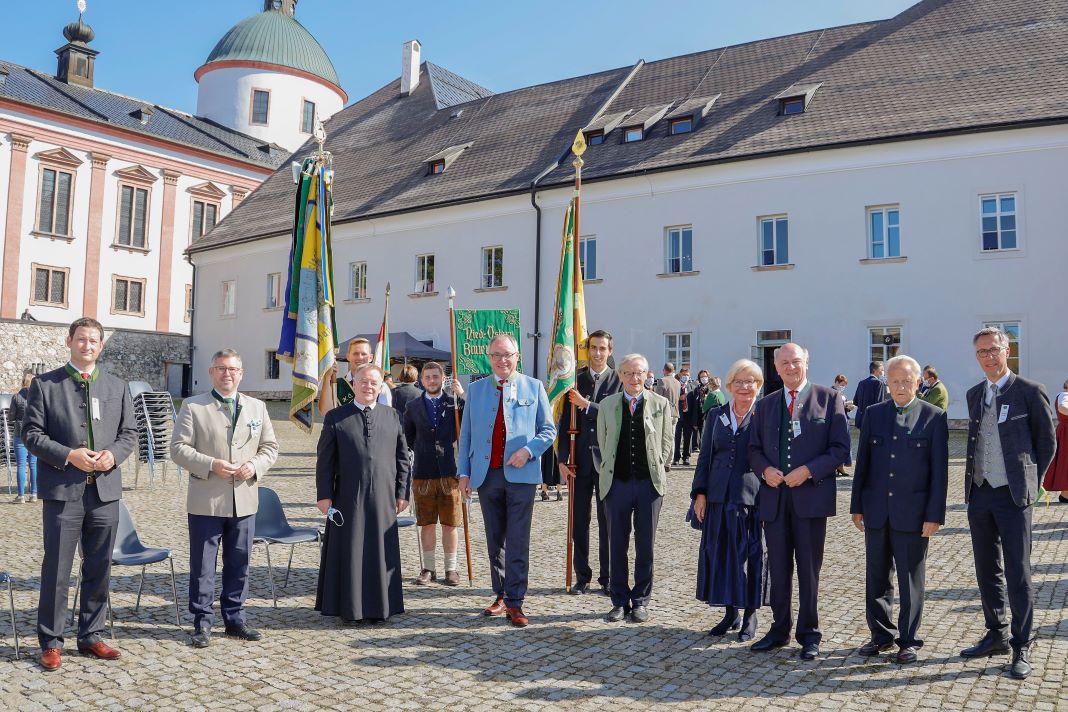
[[7, 438], [155, 415]]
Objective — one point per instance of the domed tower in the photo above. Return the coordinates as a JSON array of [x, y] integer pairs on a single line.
[[269, 78]]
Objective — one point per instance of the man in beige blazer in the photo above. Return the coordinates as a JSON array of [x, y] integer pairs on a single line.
[[635, 433], [226, 442]]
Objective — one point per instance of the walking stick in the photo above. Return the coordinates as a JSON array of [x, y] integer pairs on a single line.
[[464, 501]]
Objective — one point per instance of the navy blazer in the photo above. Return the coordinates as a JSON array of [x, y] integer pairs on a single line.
[[869, 392], [723, 473], [902, 471], [433, 449], [56, 423], [1028, 436], [823, 445], [587, 451], [404, 394]]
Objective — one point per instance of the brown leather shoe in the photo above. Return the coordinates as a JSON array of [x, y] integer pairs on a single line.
[[99, 649], [425, 577], [516, 616], [496, 609], [51, 659], [452, 578]]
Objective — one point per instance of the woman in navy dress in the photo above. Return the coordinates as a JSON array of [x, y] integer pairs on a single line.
[[730, 565]]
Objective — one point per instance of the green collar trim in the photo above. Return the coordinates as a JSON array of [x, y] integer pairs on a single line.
[[77, 375]]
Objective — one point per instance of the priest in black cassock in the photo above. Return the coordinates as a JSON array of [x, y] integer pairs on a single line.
[[361, 473]]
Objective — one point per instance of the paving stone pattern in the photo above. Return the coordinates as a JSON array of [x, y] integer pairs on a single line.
[[441, 654]]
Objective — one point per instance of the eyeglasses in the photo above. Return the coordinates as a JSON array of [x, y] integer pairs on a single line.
[[502, 355], [901, 383], [228, 369], [992, 351], [748, 383], [632, 374]]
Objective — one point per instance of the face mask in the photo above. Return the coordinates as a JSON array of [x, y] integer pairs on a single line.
[[335, 516], [649, 382], [684, 379], [704, 381]]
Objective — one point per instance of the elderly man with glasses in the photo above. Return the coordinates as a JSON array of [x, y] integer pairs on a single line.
[[1011, 442], [507, 426]]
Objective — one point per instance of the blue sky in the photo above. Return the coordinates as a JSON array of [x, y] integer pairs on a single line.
[[150, 48]]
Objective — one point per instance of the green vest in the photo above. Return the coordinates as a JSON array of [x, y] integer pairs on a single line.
[[90, 414]]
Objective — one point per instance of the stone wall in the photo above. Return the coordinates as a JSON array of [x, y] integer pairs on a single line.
[[130, 355]]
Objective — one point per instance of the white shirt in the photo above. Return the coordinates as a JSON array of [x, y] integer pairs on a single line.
[[1062, 399], [361, 406], [734, 418], [629, 398], [1000, 384], [786, 392]]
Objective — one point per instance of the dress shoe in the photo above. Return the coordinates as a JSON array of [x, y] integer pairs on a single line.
[[579, 589], [1021, 666], [616, 614], [991, 644], [516, 616], [810, 651], [496, 609], [544, 496], [639, 614], [768, 642], [749, 626], [559, 495], [685, 462], [732, 620], [906, 655], [874, 647], [604, 591], [51, 659], [426, 577], [452, 578], [99, 649], [1062, 499], [201, 638], [243, 632]]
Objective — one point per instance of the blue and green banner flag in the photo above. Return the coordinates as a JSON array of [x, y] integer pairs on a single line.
[[475, 329], [309, 335], [568, 350]]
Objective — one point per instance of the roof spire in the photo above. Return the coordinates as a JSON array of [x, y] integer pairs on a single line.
[[76, 59]]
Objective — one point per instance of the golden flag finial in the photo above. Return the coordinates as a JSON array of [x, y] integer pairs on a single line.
[[579, 146]]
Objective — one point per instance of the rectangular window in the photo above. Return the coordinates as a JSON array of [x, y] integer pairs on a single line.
[[307, 117], [205, 216], [793, 105], [437, 167], [774, 241], [54, 206], [261, 105], [358, 280], [635, 133], [681, 125], [588, 257], [884, 232], [595, 138], [1012, 330], [49, 286], [274, 290], [424, 273], [270, 372], [677, 348], [678, 249], [187, 311], [133, 216], [999, 222], [229, 297], [127, 296], [884, 342], [492, 267]]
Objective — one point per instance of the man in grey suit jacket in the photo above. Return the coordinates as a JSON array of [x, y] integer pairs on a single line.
[[226, 443], [1011, 442], [79, 423]]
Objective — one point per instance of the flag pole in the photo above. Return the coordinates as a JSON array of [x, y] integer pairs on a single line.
[[456, 414], [576, 275]]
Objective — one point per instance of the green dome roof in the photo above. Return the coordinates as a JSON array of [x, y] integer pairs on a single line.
[[277, 38]]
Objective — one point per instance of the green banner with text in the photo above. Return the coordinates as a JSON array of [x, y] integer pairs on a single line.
[[475, 328]]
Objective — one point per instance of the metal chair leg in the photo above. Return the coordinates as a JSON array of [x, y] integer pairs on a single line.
[[270, 572], [289, 566], [14, 630], [174, 590], [140, 585]]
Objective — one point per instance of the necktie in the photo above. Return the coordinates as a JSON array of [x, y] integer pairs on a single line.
[[793, 398], [230, 407], [596, 385], [85, 376], [993, 394], [900, 410], [633, 405]]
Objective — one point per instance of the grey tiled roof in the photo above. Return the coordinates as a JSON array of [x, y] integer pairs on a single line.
[[44, 91], [942, 66], [452, 89]]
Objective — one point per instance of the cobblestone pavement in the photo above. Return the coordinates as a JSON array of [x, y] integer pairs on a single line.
[[442, 654]]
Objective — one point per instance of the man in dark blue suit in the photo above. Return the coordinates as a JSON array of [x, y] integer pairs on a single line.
[[870, 391], [899, 502], [1011, 441], [799, 437], [593, 385]]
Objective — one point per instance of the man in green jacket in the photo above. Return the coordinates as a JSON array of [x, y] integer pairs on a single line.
[[933, 390]]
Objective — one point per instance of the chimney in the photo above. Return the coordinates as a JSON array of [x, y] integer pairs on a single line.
[[410, 67]]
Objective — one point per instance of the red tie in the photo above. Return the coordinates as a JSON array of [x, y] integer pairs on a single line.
[[85, 376], [633, 405], [793, 398]]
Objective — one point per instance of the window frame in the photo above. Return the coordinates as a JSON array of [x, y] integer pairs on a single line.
[[1018, 324], [304, 102], [252, 107], [627, 134], [361, 266], [673, 354], [277, 295], [595, 138], [423, 285], [122, 185], [43, 166], [272, 366], [886, 209], [198, 231], [490, 252], [679, 120], [34, 267], [997, 197], [436, 167], [584, 244], [888, 351], [774, 220], [681, 257], [187, 311], [115, 279], [789, 101], [232, 292]]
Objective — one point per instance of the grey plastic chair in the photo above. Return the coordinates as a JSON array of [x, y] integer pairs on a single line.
[[272, 527], [5, 578]]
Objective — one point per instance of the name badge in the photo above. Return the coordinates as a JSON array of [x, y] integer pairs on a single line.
[[94, 406], [724, 419], [1004, 414], [796, 425], [511, 391]]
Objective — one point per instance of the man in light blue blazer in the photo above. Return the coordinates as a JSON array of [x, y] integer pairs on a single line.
[[507, 426]]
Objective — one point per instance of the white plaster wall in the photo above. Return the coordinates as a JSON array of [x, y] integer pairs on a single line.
[[225, 96], [940, 295]]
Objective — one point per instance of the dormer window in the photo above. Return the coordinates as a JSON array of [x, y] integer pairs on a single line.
[[440, 161], [437, 166], [634, 133], [792, 106], [594, 138], [796, 98], [642, 121], [598, 129], [681, 125]]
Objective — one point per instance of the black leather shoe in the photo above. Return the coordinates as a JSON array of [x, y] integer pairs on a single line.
[[616, 614], [873, 647], [991, 644], [640, 614], [732, 620], [201, 638], [605, 591], [1021, 666], [768, 642], [810, 651], [1062, 499], [906, 655], [580, 588], [243, 632]]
